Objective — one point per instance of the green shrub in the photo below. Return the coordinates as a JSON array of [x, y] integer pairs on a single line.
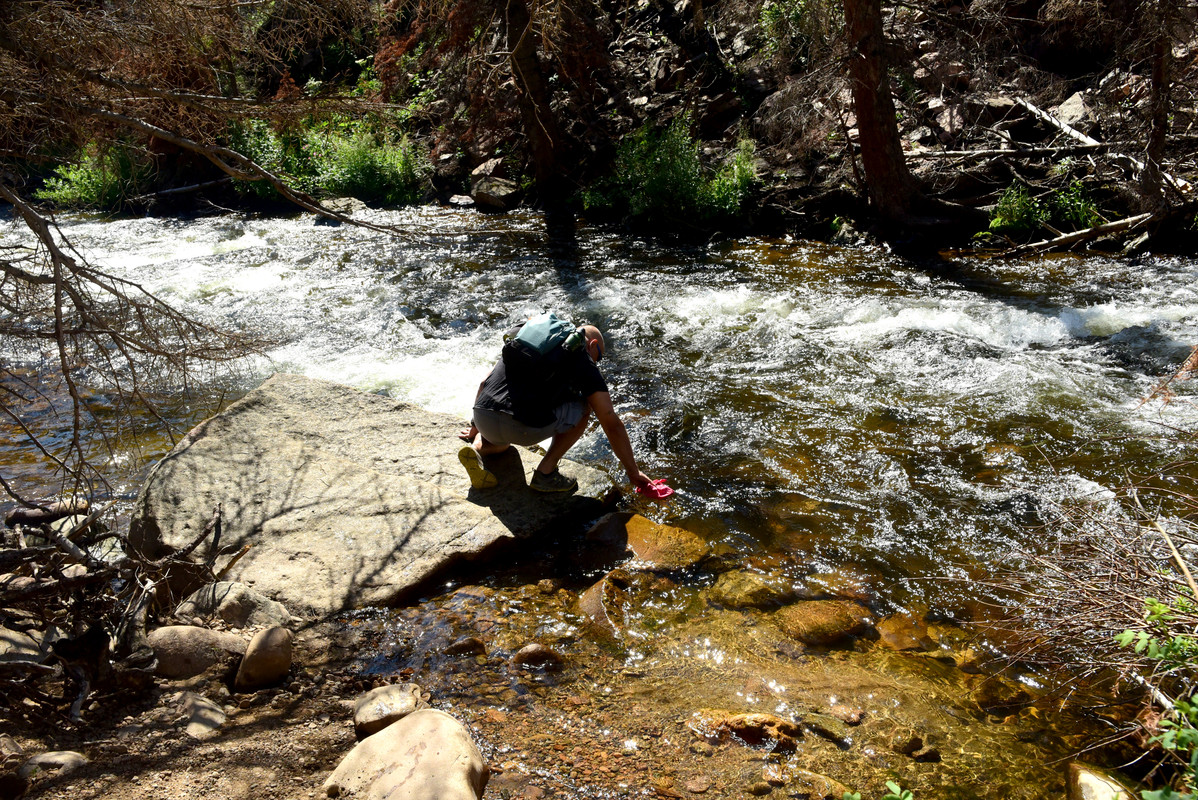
[[1073, 208], [726, 193], [285, 156], [391, 173], [1018, 212], [659, 176], [339, 156], [99, 180], [794, 29], [1170, 644]]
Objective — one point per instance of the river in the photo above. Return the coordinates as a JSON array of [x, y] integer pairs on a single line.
[[825, 413]]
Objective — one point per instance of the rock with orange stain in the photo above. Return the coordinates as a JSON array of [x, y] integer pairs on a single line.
[[656, 546]]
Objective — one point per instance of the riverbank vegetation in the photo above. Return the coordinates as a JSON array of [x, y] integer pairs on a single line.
[[975, 120]]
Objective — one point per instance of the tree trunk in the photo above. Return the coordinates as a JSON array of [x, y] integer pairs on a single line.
[[892, 189], [1151, 184], [540, 126]]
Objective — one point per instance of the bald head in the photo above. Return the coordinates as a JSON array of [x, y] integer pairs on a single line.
[[596, 347]]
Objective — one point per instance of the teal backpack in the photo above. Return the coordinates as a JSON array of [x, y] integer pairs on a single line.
[[537, 349]]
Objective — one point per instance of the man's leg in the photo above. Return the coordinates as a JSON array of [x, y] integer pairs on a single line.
[[488, 448], [562, 443]]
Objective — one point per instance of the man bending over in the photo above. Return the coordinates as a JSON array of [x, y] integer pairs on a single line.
[[526, 409]]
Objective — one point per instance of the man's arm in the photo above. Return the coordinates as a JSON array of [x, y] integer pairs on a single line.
[[617, 436]]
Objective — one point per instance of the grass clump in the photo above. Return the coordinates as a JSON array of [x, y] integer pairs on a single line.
[[659, 177], [101, 180], [1017, 212]]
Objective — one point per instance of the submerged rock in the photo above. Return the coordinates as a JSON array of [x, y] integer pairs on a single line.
[[754, 728], [1091, 783], [655, 545], [815, 786], [995, 694], [823, 622], [745, 589], [604, 605], [538, 656], [347, 498], [904, 632], [426, 754]]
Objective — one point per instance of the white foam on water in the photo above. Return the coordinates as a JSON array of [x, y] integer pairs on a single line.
[[1108, 319]]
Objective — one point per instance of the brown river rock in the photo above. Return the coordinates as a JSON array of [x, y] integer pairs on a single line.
[[656, 546], [823, 622]]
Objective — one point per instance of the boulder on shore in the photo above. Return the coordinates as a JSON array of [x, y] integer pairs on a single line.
[[346, 498], [184, 651], [235, 603], [426, 754], [267, 660]]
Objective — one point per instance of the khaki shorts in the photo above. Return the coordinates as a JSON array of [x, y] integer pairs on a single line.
[[500, 428]]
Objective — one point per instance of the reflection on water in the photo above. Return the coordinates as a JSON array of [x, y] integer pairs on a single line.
[[820, 408]]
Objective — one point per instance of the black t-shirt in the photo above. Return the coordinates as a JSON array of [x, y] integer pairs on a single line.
[[532, 399]]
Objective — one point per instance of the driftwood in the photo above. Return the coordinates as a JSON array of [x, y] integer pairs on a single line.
[[1015, 152], [111, 599], [195, 187], [1181, 185], [1069, 239], [43, 515]]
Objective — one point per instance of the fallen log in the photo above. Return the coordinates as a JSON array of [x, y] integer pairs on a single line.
[[1181, 185], [45, 514], [1118, 226], [1016, 152]]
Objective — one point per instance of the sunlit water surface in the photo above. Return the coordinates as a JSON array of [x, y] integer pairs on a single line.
[[821, 408], [835, 418]]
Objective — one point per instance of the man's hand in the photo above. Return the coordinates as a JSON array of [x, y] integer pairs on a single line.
[[639, 479], [468, 434]]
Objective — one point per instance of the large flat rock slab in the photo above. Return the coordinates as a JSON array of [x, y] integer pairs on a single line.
[[346, 499]]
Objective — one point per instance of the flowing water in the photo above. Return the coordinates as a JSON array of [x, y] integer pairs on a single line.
[[826, 415]]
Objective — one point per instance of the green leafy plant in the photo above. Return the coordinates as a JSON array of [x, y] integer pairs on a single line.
[[1174, 649], [893, 792], [1074, 208], [659, 176], [1018, 212], [392, 173], [99, 180]]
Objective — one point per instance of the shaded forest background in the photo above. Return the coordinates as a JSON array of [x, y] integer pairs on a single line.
[[1020, 120]]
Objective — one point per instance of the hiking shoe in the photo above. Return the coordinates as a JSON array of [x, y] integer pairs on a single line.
[[480, 476], [553, 482]]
